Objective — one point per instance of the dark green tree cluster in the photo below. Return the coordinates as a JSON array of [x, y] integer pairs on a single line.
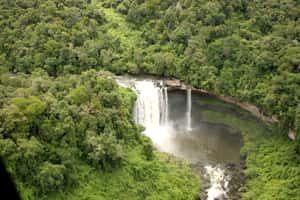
[[65, 126], [248, 50], [57, 36], [48, 126], [245, 49], [54, 122]]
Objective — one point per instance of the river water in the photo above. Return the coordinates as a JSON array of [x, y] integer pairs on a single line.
[[175, 122]]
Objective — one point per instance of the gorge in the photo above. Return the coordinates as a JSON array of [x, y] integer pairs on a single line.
[[186, 133], [151, 99]]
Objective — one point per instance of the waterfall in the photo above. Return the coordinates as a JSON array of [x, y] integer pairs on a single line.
[[189, 108], [218, 183], [166, 105], [151, 109]]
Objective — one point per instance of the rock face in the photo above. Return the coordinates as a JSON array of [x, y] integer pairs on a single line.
[[249, 107], [177, 84], [173, 83], [292, 135], [237, 180]]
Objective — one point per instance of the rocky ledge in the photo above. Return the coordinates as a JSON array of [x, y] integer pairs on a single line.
[[254, 110], [237, 180]]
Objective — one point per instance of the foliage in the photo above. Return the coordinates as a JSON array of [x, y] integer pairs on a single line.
[[59, 37], [247, 50], [250, 47], [52, 127], [51, 177], [272, 164], [160, 178]]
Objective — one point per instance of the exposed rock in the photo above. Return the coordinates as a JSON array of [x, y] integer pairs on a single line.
[[254, 110], [173, 83], [249, 107], [292, 135], [237, 180]]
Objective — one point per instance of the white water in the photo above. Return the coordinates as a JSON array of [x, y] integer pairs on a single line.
[[188, 109], [166, 106], [218, 183], [151, 110]]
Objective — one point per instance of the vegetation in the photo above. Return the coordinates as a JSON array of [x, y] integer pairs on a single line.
[[57, 36], [248, 50], [61, 136], [66, 126], [245, 49], [272, 164]]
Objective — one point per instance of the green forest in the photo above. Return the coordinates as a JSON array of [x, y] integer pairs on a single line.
[[66, 127]]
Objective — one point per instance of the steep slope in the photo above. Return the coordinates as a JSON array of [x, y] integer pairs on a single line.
[[247, 50], [66, 131]]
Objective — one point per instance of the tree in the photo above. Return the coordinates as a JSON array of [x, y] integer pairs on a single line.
[[297, 128], [79, 95], [182, 33], [29, 155], [51, 177], [103, 151], [264, 23]]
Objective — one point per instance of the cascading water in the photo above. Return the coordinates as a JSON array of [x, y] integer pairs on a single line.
[[188, 109], [218, 183], [166, 106], [216, 175], [151, 111], [163, 102]]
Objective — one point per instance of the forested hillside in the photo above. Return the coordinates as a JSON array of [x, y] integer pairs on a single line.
[[246, 49], [66, 130], [76, 131], [58, 36]]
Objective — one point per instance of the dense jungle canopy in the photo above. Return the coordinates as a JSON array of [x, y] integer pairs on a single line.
[[65, 124]]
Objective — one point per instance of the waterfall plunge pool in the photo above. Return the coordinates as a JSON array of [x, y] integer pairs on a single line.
[[180, 123]]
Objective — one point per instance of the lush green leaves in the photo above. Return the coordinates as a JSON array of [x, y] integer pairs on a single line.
[[246, 49], [251, 48], [51, 127], [51, 177]]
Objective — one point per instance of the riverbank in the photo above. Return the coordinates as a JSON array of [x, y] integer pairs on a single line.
[[61, 131], [271, 163], [254, 110], [260, 151], [270, 155]]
